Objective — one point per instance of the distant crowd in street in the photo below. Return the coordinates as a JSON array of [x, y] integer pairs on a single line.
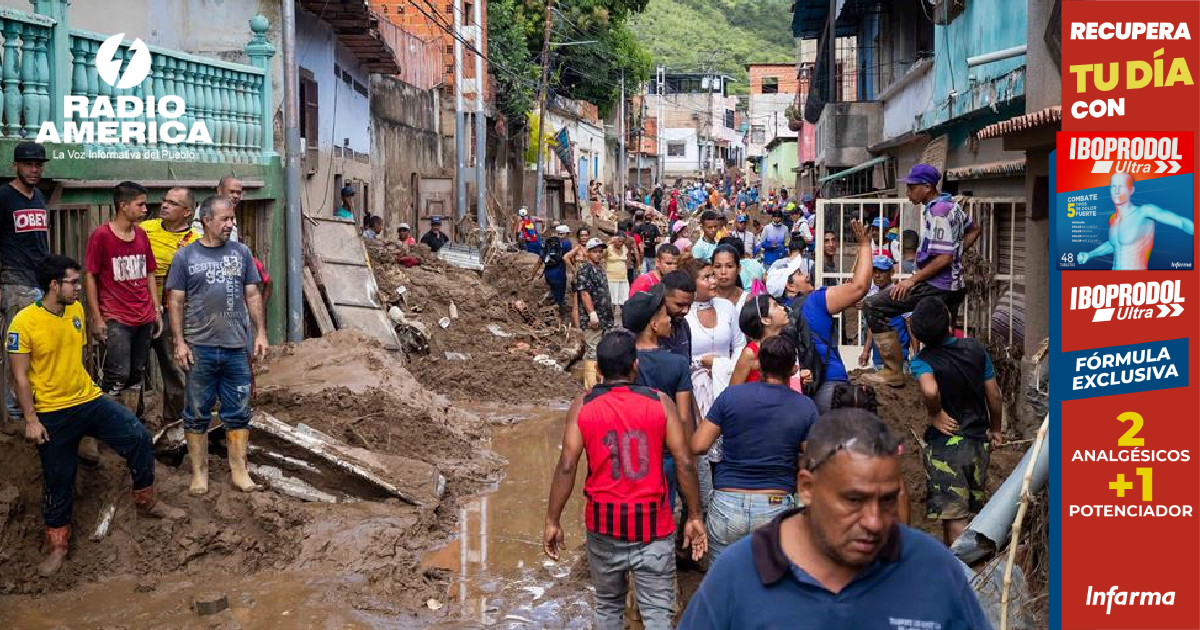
[[720, 421]]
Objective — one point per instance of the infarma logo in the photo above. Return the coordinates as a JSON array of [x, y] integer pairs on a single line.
[[130, 119]]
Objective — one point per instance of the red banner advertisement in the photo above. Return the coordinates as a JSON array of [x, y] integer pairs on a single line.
[[1123, 342]]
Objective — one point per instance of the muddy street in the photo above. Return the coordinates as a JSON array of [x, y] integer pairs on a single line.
[[491, 572]]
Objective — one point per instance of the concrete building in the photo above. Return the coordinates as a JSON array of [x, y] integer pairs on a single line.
[[699, 125], [566, 186], [774, 94], [973, 89]]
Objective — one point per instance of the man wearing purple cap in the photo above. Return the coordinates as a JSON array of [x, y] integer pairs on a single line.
[[939, 273]]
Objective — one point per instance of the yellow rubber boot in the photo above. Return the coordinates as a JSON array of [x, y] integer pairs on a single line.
[[237, 442], [197, 446], [591, 374]]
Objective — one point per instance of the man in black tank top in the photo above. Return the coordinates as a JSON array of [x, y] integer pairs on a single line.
[[958, 385]]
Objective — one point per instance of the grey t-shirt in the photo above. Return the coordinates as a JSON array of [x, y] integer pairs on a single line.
[[213, 280]]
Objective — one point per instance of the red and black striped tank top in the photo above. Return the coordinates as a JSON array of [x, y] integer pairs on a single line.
[[624, 429]]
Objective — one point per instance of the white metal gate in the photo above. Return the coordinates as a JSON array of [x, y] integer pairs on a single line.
[[992, 312]]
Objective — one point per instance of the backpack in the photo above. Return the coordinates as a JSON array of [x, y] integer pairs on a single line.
[[808, 355], [554, 255]]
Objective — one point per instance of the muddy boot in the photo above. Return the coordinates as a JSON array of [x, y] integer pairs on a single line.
[[237, 443], [149, 506], [197, 446], [591, 374], [892, 373], [129, 399], [57, 539], [89, 451]]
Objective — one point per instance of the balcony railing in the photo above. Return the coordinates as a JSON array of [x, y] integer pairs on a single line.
[[232, 100]]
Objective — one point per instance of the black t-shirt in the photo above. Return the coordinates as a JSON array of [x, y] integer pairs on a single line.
[[665, 371], [435, 240], [24, 241], [649, 233]]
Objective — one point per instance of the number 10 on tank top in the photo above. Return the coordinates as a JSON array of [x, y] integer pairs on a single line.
[[623, 448]]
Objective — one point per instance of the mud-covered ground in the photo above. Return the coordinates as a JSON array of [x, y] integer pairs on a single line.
[[497, 326], [369, 552]]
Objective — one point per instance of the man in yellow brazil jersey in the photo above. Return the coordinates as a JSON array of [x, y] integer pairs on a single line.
[[61, 405]]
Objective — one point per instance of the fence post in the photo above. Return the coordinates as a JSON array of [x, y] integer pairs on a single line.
[[59, 50], [260, 52]]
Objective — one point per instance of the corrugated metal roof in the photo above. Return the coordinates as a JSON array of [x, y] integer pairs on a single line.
[[1048, 116], [1006, 168], [810, 17], [854, 169]]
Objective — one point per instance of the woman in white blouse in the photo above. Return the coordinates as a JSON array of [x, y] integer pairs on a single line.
[[717, 341]]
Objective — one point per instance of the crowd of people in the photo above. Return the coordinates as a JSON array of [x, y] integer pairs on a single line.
[[180, 285], [720, 421]]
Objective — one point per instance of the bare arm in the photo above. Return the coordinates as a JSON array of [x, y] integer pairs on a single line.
[[563, 481], [930, 395], [842, 296], [1166, 217], [741, 370], [20, 370], [254, 304], [995, 403], [705, 436], [175, 311], [971, 236], [1105, 248], [685, 464], [93, 299], [683, 401]]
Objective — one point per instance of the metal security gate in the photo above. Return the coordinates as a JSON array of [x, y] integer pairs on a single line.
[[994, 308]]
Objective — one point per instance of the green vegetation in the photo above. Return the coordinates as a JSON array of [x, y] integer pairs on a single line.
[[687, 35], [589, 72]]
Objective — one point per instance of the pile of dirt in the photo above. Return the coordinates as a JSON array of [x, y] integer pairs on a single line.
[[501, 330], [345, 385]]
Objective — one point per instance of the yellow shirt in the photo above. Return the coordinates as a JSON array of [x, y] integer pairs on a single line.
[[617, 264], [164, 244], [54, 344]]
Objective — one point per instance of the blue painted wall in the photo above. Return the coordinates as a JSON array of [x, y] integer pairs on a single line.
[[984, 26]]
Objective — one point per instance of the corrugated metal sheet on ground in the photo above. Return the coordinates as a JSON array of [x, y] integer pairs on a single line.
[[349, 281], [461, 256]]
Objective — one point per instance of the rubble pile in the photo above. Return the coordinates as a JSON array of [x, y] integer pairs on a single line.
[[363, 469], [477, 337]]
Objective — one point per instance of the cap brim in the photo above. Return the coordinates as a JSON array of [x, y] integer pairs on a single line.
[[32, 159]]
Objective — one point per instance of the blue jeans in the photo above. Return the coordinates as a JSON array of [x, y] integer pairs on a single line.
[[105, 420], [653, 568], [733, 515], [217, 373], [558, 291]]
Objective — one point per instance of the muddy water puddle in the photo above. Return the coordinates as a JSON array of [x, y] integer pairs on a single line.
[[499, 575]]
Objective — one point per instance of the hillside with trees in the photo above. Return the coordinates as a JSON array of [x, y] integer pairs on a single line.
[[691, 35]]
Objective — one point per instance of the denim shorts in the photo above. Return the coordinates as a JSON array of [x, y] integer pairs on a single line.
[[733, 515]]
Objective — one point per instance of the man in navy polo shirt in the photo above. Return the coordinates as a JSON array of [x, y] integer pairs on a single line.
[[843, 561]]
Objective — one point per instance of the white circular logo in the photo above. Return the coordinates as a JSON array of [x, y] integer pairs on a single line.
[[110, 68]]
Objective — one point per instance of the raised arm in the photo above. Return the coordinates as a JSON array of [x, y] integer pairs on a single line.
[[842, 296]]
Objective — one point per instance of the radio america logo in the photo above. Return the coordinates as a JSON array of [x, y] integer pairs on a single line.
[[1131, 300], [129, 119]]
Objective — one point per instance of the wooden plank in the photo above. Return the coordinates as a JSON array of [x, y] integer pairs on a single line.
[[313, 295]]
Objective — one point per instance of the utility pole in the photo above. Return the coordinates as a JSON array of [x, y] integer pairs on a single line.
[[637, 151], [460, 120], [291, 176], [661, 80], [542, 93], [833, 86], [480, 126], [622, 169]]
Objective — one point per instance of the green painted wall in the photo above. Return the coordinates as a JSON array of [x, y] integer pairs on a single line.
[[778, 164], [271, 236]]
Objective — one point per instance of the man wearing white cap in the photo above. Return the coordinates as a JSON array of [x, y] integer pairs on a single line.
[[595, 305], [553, 262], [404, 232], [528, 234]]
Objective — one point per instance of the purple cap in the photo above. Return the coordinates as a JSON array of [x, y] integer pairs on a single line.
[[923, 174]]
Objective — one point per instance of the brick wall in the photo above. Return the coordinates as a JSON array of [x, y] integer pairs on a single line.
[[785, 73], [407, 15]]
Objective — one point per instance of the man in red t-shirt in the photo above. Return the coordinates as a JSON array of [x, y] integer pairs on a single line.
[[666, 261], [623, 427], [122, 295]]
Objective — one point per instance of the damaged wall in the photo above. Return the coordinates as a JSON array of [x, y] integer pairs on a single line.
[[407, 139]]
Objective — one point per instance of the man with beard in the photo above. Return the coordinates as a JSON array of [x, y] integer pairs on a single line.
[[843, 560], [61, 405], [214, 297]]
